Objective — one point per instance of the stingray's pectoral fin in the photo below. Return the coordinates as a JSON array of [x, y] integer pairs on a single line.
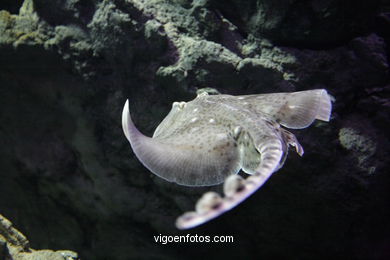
[[302, 108], [182, 163], [236, 189]]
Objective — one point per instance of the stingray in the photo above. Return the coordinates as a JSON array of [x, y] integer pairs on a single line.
[[208, 140]]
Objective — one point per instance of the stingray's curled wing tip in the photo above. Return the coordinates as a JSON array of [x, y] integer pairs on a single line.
[[126, 119], [325, 107]]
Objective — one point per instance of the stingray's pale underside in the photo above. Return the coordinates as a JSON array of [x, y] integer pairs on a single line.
[[208, 140]]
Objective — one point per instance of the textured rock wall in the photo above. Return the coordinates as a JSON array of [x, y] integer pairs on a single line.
[[14, 245], [70, 180]]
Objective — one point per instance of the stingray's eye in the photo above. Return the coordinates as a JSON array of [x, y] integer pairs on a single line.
[[179, 105], [182, 105]]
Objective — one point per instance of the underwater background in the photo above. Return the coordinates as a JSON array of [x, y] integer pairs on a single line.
[[70, 181]]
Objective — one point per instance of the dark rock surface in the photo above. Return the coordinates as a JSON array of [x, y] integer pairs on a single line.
[[69, 179], [313, 24]]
